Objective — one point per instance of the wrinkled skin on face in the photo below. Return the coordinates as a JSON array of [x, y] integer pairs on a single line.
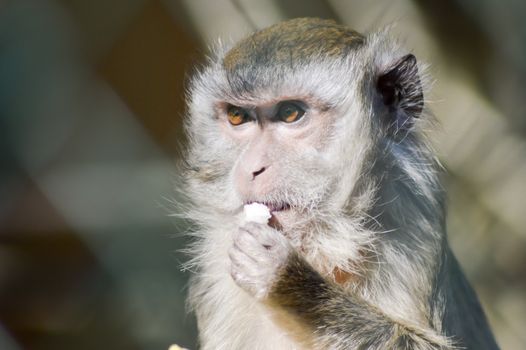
[[270, 150]]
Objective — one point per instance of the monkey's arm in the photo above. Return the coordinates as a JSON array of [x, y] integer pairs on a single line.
[[341, 320], [265, 265]]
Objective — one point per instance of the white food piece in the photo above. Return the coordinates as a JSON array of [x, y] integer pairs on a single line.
[[176, 347], [257, 212]]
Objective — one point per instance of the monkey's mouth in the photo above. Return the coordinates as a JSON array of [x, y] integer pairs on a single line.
[[272, 207]]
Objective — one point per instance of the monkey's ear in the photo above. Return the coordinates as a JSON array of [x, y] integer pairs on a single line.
[[401, 92]]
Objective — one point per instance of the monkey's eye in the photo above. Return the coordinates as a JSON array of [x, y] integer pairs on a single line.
[[237, 115], [290, 112]]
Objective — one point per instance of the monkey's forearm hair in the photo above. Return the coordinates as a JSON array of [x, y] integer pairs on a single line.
[[341, 320]]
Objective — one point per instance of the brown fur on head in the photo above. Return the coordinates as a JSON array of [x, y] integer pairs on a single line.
[[292, 42]]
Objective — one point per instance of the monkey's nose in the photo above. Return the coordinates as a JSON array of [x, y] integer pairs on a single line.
[[256, 173]]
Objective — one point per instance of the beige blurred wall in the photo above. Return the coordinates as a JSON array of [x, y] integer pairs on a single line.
[[86, 248]]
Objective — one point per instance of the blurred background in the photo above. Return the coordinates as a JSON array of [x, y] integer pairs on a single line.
[[91, 102]]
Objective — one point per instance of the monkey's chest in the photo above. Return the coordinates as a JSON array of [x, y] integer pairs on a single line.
[[249, 326], [268, 330]]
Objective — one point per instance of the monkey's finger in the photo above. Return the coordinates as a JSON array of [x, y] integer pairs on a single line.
[[239, 277], [247, 242], [239, 257], [250, 262], [264, 234], [250, 249], [245, 276]]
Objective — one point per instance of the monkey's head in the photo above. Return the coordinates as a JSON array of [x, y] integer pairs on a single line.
[[306, 116]]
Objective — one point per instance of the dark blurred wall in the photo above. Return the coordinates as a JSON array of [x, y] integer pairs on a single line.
[[89, 132], [147, 67]]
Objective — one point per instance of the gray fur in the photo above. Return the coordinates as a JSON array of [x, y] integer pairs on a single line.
[[375, 209]]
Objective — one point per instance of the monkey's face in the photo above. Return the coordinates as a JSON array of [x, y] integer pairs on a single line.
[[280, 153], [284, 144], [294, 116]]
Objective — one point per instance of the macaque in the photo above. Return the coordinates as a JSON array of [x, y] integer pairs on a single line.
[[326, 129]]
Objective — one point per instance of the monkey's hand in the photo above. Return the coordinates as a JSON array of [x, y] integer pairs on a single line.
[[258, 254]]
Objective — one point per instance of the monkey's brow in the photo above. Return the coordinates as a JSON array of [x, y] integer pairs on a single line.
[[254, 103]]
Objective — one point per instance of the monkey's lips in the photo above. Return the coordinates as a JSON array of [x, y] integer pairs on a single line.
[[277, 212], [272, 207]]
